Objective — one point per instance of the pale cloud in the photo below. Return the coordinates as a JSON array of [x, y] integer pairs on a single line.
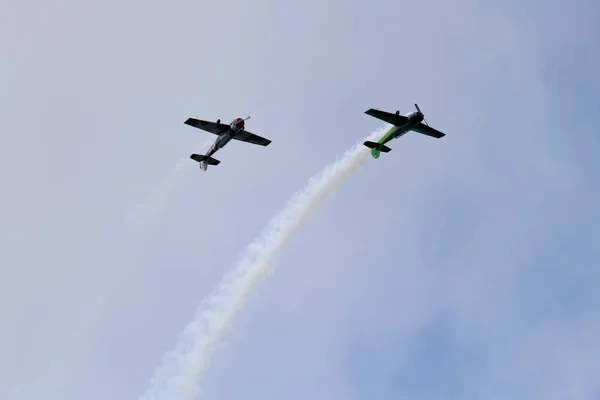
[[458, 268]]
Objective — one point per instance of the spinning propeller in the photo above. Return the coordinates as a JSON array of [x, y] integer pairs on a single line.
[[419, 110]]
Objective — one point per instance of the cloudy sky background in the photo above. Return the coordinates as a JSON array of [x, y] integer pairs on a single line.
[[465, 267]]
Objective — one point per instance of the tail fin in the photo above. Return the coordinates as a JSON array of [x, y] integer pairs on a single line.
[[377, 148], [204, 160]]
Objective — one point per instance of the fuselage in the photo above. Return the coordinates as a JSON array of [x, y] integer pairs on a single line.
[[396, 131], [234, 127]]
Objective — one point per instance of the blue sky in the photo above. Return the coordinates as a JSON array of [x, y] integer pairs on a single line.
[[459, 268]]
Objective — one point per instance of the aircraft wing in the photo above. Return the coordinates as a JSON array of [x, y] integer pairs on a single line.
[[248, 137], [387, 117], [427, 130], [207, 126]]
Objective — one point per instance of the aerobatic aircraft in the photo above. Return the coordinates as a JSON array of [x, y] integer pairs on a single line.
[[402, 124], [234, 130]]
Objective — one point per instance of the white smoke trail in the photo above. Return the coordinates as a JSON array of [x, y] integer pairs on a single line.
[[155, 201], [178, 377]]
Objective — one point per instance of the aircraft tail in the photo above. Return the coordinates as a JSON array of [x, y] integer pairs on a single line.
[[377, 148], [204, 161]]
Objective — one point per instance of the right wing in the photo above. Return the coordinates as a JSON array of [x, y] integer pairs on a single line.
[[249, 137], [427, 130], [212, 127], [387, 117]]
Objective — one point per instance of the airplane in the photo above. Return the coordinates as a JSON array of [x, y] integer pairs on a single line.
[[402, 124], [235, 130]]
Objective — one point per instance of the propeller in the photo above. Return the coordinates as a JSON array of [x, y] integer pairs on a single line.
[[248, 117], [419, 110]]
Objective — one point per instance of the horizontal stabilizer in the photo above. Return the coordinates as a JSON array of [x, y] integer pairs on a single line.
[[208, 160], [380, 147]]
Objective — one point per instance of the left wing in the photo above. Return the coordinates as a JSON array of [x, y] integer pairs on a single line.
[[212, 127], [427, 130], [248, 137], [394, 119]]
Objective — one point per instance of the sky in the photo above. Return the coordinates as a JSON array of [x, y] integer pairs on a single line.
[[459, 268]]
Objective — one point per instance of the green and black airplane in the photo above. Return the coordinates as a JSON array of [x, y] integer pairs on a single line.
[[402, 124]]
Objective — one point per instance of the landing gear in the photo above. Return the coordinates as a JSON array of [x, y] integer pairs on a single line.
[[218, 121], [397, 112]]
